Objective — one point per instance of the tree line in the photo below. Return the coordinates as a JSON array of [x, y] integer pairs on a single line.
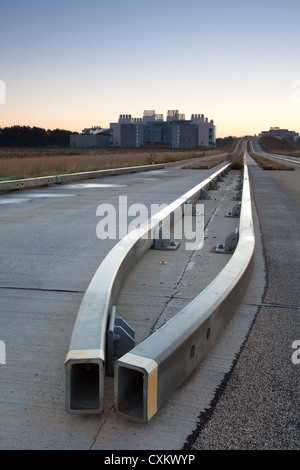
[[26, 136]]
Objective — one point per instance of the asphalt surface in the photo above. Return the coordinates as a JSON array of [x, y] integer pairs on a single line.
[[257, 406]]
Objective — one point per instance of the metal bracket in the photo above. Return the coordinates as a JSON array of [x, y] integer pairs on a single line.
[[237, 197], [120, 340], [204, 194], [240, 180], [213, 185], [231, 242], [224, 172], [235, 211], [163, 241], [239, 185]]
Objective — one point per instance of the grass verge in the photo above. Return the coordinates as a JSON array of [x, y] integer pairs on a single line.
[[205, 164], [31, 163], [234, 158]]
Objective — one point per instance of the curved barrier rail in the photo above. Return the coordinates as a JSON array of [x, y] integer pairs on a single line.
[[58, 179], [86, 360], [150, 373]]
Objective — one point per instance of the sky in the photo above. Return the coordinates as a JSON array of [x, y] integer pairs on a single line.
[[71, 64]]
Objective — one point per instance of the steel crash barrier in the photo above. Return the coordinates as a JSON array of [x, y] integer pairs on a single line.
[[147, 376], [13, 185], [92, 354]]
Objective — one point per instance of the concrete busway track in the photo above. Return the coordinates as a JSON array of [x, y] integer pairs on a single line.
[[49, 252], [86, 361], [148, 375]]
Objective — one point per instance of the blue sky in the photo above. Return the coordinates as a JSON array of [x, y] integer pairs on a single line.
[[72, 64]]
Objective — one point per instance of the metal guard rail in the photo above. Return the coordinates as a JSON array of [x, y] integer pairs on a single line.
[[149, 374], [12, 185], [86, 362]]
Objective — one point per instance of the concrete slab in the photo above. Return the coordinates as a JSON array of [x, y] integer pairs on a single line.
[[32, 380]]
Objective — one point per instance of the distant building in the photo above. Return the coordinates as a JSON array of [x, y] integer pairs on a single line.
[[206, 130], [93, 130], [280, 133], [152, 130], [94, 137]]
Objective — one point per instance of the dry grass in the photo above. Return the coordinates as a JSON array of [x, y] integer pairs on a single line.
[[24, 163], [205, 164], [234, 158]]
